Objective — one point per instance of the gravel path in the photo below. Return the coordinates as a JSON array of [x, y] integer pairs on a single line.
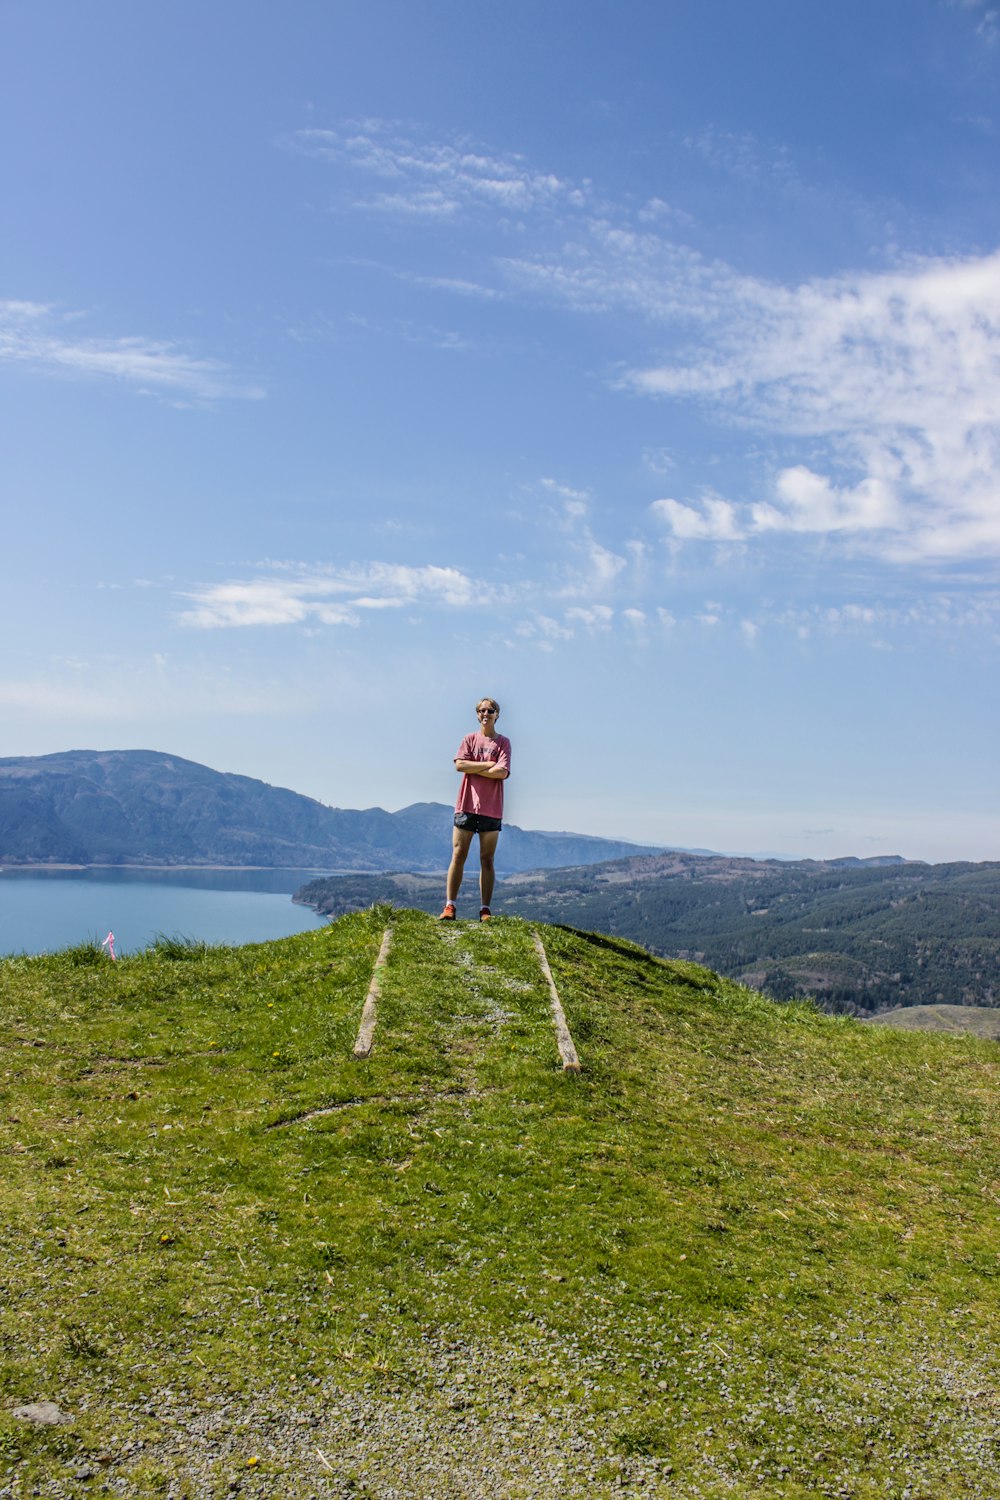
[[465, 1421], [464, 1431]]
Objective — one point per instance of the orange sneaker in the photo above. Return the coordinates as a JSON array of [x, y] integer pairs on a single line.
[[448, 915], [485, 915]]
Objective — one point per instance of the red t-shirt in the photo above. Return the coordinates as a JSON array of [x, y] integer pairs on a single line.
[[481, 794]]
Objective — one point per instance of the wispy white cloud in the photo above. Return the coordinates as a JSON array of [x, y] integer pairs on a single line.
[[878, 392], [592, 567], [657, 211], [743, 155], [435, 180], [717, 520], [873, 623], [595, 617], [543, 631], [877, 623], [602, 565], [605, 265], [987, 17], [659, 460], [318, 596], [574, 501], [38, 335], [638, 622], [435, 338], [809, 502], [457, 285], [313, 598], [898, 373]]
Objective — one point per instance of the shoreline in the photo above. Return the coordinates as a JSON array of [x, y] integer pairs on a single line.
[[16, 869]]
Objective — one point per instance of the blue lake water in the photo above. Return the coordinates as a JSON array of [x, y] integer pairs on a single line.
[[42, 911]]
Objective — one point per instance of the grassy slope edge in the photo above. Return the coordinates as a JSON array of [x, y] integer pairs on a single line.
[[749, 1252]]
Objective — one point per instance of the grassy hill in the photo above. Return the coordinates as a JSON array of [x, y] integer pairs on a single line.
[[859, 937], [959, 1020], [750, 1251]]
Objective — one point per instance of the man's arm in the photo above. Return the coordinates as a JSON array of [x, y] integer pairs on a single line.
[[487, 768]]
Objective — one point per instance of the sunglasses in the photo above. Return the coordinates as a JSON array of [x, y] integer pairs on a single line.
[[485, 712]]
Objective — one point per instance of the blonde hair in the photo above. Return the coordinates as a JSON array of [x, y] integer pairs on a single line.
[[492, 703]]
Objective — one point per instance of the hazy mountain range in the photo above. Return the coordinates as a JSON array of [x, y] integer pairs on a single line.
[[143, 807]]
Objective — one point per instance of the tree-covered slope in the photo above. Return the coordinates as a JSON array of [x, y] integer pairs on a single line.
[[749, 1251]]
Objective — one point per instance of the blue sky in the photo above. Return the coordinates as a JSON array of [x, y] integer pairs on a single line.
[[637, 364]]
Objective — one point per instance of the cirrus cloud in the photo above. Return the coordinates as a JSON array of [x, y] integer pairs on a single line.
[[434, 179], [36, 334], [878, 391], [897, 373], [323, 596]]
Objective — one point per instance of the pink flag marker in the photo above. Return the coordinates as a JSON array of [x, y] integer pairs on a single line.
[[109, 943]]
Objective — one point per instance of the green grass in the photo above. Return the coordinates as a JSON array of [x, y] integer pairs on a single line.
[[958, 1020], [750, 1251]]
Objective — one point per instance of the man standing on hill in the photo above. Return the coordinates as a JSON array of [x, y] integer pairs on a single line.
[[483, 762]]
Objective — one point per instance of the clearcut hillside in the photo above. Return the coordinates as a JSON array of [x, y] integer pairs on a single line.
[[749, 1251]]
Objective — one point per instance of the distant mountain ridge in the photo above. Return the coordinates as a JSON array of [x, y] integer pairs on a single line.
[[145, 807]]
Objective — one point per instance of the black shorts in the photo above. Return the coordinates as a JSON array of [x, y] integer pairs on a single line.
[[477, 823]]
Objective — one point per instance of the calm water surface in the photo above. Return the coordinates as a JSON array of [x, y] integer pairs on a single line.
[[42, 911]]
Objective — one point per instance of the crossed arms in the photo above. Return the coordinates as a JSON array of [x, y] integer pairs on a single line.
[[488, 768]]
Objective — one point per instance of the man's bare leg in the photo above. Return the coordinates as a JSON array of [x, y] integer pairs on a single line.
[[487, 874], [460, 845]]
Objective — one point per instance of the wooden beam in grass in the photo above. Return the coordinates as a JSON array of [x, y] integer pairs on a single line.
[[570, 1061], [366, 1031]]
